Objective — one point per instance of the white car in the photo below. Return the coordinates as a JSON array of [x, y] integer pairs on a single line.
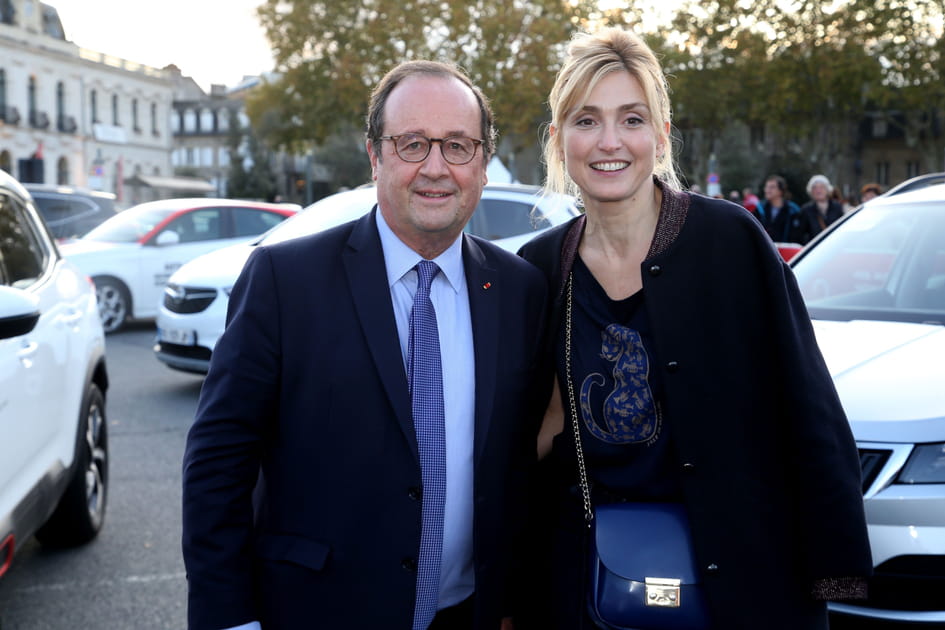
[[193, 312], [131, 255], [53, 434], [874, 285]]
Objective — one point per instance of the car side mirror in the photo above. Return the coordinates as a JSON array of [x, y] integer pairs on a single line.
[[19, 312], [168, 237]]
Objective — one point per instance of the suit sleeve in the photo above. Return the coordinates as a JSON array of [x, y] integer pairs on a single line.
[[224, 449]]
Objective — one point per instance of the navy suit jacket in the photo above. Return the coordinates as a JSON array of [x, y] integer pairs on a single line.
[[301, 475]]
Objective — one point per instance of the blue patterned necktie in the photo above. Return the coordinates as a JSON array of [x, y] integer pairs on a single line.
[[425, 375]]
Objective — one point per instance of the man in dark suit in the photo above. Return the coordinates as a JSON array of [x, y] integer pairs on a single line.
[[304, 500]]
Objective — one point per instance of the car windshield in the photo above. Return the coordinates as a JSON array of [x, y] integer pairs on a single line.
[[885, 262], [128, 226], [323, 214]]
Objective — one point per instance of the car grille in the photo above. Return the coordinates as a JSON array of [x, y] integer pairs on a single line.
[[913, 583], [871, 462], [184, 352], [185, 300]]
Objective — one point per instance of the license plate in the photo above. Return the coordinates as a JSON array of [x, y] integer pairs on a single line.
[[179, 336]]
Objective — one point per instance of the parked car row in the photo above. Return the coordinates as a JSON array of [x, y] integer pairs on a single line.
[[193, 313]]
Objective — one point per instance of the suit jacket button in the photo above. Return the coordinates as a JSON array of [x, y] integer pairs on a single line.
[[712, 568], [672, 367], [689, 467], [656, 270], [415, 493], [409, 564]]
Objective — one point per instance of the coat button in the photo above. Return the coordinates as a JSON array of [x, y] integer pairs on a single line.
[[415, 493], [689, 467], [409, 564], [656, 270], [712, 568], [672, 367]]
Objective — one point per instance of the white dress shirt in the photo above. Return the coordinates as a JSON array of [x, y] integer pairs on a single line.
[[454, 324]]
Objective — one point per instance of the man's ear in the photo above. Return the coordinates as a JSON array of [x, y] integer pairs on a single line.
[[373, 157]]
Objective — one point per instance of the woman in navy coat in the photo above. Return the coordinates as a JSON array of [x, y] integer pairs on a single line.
[[694, 361]]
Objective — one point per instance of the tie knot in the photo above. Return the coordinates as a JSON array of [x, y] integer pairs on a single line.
[[427, 270]]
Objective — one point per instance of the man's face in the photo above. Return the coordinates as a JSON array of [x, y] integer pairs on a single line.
[[772, 192], [428, 203]]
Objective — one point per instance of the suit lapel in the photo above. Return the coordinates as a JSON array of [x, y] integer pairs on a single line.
[[485, 291], [363, 261]]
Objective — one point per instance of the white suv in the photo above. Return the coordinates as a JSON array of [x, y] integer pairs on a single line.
[[53, 440]]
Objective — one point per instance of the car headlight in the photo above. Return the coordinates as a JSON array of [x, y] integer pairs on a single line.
[[926, 464]]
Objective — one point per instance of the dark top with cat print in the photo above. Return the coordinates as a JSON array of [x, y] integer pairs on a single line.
[[626, 443]]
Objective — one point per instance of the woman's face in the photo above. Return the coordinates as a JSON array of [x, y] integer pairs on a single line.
[[819, 192], [609, 143]]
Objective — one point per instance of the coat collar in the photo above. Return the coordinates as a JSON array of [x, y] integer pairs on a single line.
[[674, 209]]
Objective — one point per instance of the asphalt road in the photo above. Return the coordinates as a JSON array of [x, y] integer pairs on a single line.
[[132, 575]]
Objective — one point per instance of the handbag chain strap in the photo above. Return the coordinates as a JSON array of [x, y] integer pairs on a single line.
[[582, 469]]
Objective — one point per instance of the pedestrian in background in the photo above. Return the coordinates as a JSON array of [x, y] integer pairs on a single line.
[[822, 209], [683, 335], [870, 191], [365, 434], [750, 200], [782, 218]]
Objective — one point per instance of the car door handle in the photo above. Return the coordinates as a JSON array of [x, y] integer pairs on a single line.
[[25, 354], [72, 318]]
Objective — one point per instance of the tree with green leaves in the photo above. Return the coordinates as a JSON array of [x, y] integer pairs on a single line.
[[330, 53]]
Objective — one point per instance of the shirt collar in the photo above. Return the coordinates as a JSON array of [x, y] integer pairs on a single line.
[[400, 259]]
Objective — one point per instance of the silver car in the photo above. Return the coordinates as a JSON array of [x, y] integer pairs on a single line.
[[875, 288], [193, 312]]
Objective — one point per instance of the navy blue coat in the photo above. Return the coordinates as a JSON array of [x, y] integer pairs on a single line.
[[300, 506], [770, 471]]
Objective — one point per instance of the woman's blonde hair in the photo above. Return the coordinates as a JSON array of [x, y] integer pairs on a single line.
[[591, 57]]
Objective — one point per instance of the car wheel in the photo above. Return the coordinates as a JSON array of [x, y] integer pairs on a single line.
[[114, 303], [81, 510]]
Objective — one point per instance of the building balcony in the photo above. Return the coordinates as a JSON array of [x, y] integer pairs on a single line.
[[39, 120], [10, 115], [66, 124]]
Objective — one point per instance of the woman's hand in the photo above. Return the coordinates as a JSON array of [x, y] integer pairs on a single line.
[[552, 424]]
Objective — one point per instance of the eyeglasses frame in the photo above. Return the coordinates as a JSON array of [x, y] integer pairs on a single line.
[[476, 143]]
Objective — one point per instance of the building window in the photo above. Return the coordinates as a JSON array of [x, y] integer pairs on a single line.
[[880, 128], [882, 173], [154, 117], [115, 120], [223, 120], [189, 160], [206, 121], [190, 121], [6, 162], [62, 171], [912, 170], [3, 88], [134, 116], [93, 105], [32, 98]]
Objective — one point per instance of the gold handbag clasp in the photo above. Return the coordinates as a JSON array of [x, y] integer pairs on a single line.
[[663, 592]]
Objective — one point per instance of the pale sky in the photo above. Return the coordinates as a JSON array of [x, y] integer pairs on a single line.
[[213, 41]]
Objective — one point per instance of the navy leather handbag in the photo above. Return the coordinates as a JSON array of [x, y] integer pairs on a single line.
[[642, 574]]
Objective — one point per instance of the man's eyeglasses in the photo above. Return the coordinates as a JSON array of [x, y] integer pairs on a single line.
[[412, 147]]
